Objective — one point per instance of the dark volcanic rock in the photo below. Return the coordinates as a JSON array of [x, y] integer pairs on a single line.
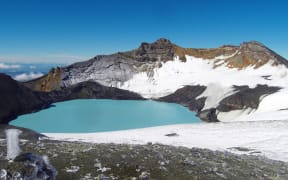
[[208, 115], [161, 50], [245, 98], [92, 90], [186, 96], [16, 99]]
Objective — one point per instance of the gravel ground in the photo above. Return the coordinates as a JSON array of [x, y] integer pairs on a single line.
[[76, 160]]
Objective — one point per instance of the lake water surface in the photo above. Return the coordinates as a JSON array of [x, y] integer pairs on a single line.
[[82, 116]]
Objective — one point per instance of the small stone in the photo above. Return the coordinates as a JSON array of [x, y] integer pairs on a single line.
[[172, 134], [144, 175], [16, 175]]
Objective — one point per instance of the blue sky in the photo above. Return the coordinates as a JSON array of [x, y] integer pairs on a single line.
[[67, 31]]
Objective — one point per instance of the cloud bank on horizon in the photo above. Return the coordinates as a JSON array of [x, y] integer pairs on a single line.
[[27, 76], [9, 66]]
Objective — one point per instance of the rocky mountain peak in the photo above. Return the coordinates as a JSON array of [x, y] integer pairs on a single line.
[[163, 41], [254, 46], [160, 50], [254, 54]]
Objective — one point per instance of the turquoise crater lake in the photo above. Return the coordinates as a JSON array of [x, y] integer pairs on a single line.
[[84, 116]]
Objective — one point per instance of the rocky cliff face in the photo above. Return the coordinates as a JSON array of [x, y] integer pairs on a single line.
[[165, 71], [16, 99]]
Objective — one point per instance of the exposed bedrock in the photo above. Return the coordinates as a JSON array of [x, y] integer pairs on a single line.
[[25, 133], [92, 90], [208, 115], [187, 96], [243, 98], [246, 97], [16, 99]]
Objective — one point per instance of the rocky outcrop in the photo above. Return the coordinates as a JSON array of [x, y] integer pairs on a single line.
[[245, 97], [208, 115], [25, 133], [187, 96], [47, 83], [17, 99], [254, 54], [92, 90]]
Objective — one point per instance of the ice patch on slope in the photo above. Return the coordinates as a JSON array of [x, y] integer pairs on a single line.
[[272, 107], [276, 101], [215, 93]]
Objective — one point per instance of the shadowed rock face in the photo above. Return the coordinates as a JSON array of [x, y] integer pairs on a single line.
[[17, 99], [245, 98], [25, 133], [208, 115], [92, 90], [187, 96]]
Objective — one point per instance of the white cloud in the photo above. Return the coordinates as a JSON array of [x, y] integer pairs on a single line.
[[9, 66], [27, 76], [49, 58]]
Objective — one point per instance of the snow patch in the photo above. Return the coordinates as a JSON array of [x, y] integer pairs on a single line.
[[270, 138], [9, 66], [72, 169], [215, 93]]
